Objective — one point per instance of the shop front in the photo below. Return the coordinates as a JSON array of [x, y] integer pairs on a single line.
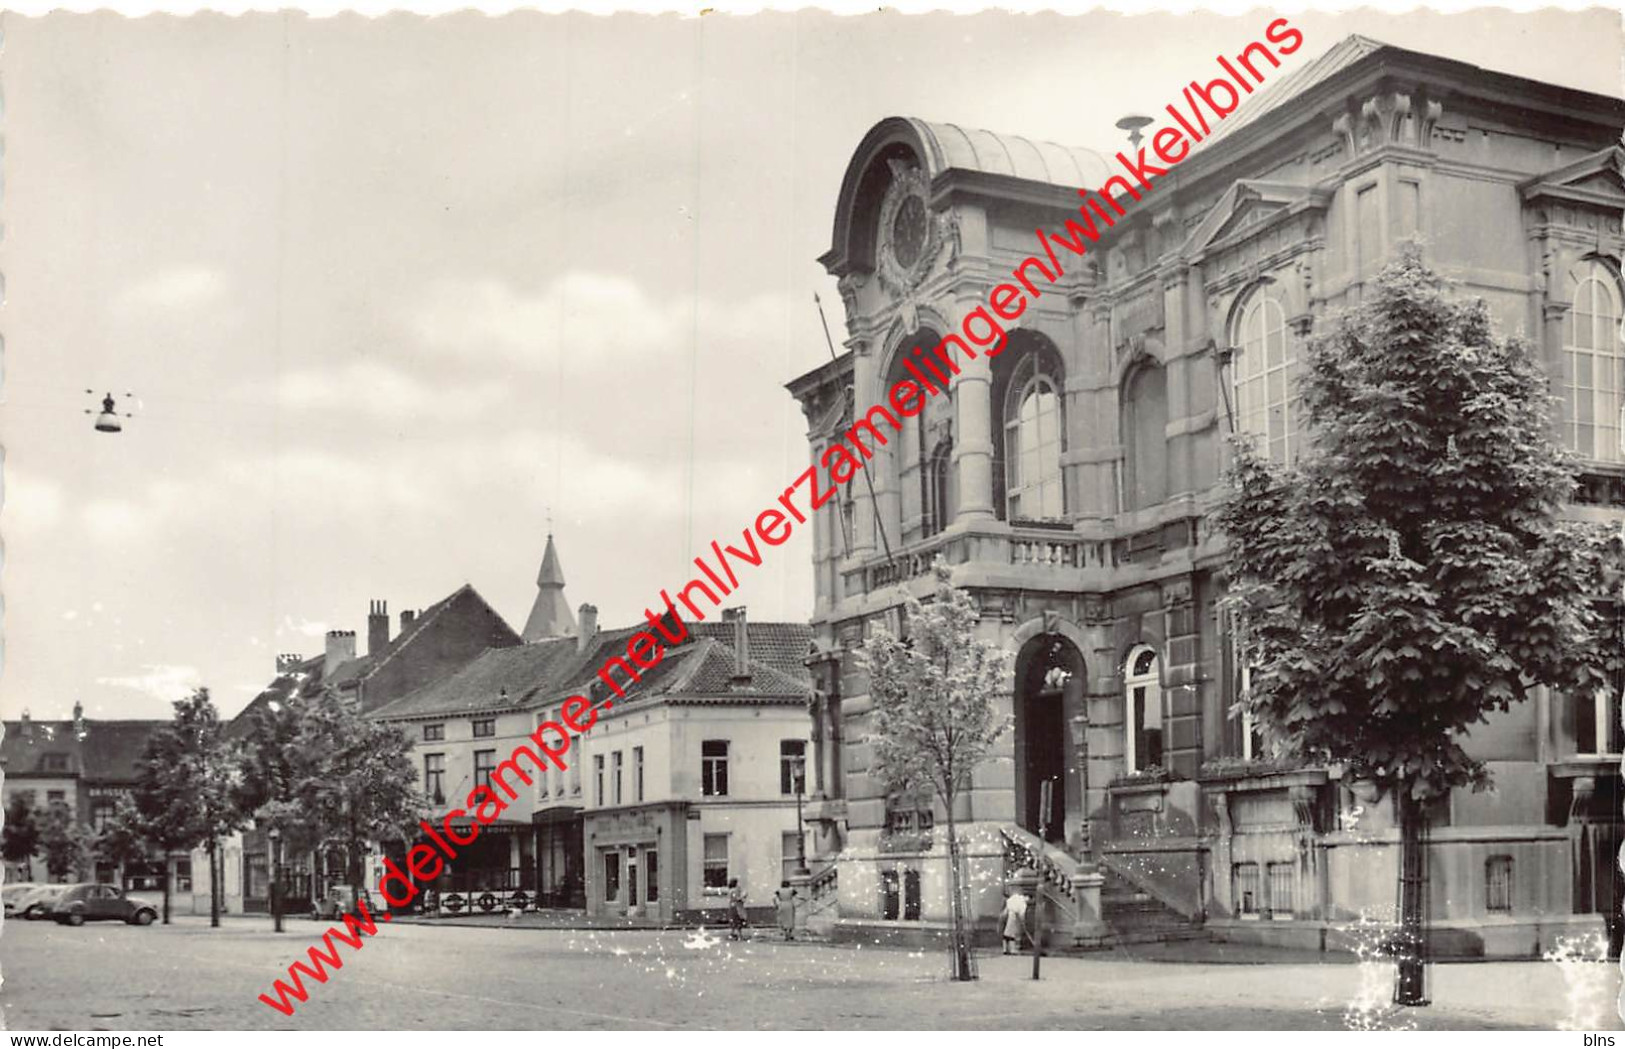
[[636, 859]]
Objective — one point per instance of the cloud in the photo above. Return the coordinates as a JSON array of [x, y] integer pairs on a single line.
[[303, 627], [163, 681], [178, 287], [381, 390], [32, 503], [595, 319]]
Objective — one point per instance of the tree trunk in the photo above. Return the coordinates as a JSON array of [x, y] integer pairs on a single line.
[[167, 878], [1410, 977], [961, 938], [214, 889]]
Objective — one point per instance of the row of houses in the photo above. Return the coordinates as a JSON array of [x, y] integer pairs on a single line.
[[687, 785]]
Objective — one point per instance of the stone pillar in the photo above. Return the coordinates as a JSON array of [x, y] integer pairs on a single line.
[[1182, 696], [973, 439], [801, 885], [864, 385], [1090, 929]]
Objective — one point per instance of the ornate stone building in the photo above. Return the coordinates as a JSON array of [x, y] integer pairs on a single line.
[[1069, 480]]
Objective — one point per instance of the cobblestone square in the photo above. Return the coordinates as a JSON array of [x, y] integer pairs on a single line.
[[187, 976]]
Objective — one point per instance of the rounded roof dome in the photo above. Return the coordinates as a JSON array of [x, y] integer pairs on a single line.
[[941, 148], [973, 149]]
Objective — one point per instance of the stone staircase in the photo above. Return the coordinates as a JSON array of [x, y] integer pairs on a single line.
[[1136, 917]]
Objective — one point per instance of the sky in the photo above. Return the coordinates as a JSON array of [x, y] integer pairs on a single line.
[[395, 297]]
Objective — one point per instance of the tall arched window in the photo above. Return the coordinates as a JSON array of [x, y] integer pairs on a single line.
[[1594, 376], [1145, 437], [940, 496], [1262, 374], [1142, 716], [1033, 443]]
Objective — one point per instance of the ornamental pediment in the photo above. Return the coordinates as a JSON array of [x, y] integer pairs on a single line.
[[1247, 209], [1592, 182]]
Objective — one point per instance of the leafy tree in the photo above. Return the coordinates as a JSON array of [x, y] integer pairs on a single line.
[[65, 843], [20, 839], [936, 715], [351, 781], [1410, 574], [123, 840], [186, 788]]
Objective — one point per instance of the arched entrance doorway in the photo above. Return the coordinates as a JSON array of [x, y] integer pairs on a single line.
[[1048, 696]]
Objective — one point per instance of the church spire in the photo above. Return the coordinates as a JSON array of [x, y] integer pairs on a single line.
[[550, 616]]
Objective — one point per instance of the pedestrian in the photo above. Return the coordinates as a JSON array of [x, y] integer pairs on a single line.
[[736, 910], [1011, 926], [784, 901]]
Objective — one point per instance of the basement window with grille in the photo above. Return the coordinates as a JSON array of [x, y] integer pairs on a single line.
[[1283, 879], [1498, 884], [1249, 901]]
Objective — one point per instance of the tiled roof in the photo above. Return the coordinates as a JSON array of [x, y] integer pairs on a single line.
[[105, 751], [500, 679], [23, 752], [1341, 55], [545, 671], [305, 678]]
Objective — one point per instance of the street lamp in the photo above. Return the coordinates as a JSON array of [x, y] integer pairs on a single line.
[[274, 835], [799, 770]]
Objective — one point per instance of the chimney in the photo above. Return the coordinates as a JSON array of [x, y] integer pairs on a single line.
[[286, 662], [588, 618], [377, 627], [340, 649], [741, 643], [407, 615], [78, 720], [27, 727]]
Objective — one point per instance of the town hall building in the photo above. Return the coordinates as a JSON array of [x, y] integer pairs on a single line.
[[1069, 482]]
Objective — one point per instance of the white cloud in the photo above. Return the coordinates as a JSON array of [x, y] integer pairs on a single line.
[[375, 388], [594, 319], [167, 682], [32, 503], [178, 287], [302, 626]]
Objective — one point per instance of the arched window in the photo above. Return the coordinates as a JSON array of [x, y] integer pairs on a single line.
[[1145, 437], [1594, 376], [1033, 443], [1262, 374], [1142, 719], [941, 497]]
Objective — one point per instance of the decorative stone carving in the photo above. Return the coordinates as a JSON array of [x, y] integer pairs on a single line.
[[1176, 592], [903, 267]]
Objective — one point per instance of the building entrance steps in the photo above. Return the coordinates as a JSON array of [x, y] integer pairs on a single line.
[[1136, 917]]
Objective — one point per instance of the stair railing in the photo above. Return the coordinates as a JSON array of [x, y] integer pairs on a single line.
[[1055, 868]]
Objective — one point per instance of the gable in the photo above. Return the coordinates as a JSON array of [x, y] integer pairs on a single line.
[[1597, 180]]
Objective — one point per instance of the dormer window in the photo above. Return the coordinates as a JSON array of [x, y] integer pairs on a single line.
[[54, 763]]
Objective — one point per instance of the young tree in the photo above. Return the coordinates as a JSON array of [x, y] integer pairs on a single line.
[[123, 840], [352, 781], [185, 789], [935, 714], [66, 844], [1410, 574], [20, 840]]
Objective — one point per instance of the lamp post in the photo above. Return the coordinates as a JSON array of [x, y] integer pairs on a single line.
[[799, 771], [274, 836]]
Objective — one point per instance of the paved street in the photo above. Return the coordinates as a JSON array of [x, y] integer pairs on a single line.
[[413, 976]]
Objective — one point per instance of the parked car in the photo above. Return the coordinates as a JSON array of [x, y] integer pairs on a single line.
[[341, 899], [37, 902], [90, 902], [10, 894]]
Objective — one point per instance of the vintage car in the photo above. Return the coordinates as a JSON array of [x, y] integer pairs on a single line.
[[90, 902], [35, 904], [339, 900]]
